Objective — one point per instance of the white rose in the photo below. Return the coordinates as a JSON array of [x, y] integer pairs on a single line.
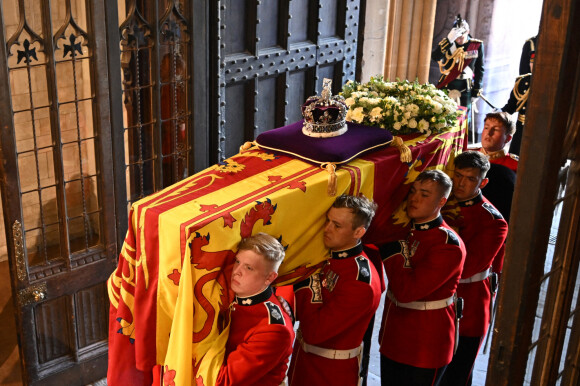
[[412, 123]]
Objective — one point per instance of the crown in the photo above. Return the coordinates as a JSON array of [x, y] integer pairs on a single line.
[[324, 116]]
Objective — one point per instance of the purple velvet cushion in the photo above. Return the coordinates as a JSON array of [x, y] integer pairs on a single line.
[[355, 142]]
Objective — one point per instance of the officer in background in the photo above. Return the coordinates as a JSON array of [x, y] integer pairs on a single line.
[[518, 100], [335, 306], [483, 230], [419, 327], [461, 62], [527, 49]]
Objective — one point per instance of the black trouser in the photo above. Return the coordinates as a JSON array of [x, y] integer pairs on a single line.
[[398, 374], [460, 371], [516, 142]]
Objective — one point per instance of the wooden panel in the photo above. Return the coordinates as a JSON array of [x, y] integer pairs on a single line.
[[91, 305], [296, 95], [53, 329], [268, 24], [299, 14], [329, 72], [236, 31], [266, 102], [235, 117], [329, 12]]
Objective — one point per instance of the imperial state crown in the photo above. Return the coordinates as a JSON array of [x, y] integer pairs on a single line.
[[324, 116]]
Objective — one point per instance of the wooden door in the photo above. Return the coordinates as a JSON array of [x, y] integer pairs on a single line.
[[107, 102], [200, 78], [267, 57], [152, 55], [55, 180]]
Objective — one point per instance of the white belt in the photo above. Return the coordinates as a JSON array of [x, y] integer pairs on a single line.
[[477, 277], [423, 306], [330, 353]]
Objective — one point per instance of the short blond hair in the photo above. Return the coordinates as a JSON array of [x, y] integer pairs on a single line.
[[264, 245]]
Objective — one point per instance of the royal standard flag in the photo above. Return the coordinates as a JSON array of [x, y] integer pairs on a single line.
[[170, 293]]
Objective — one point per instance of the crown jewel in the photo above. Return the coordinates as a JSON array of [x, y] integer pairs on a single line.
[[324, 116]]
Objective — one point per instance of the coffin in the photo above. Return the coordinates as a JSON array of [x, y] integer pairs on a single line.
[[169, 294]]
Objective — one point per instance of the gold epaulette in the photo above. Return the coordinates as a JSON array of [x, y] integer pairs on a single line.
[[524, 75], [532, 45], [521, 96], [495, 155]]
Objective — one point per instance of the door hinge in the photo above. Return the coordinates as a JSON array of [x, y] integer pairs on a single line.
[[32, 294], [19, 250]]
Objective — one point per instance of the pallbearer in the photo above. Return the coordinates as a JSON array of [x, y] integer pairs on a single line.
[[261, 332], [483, 230], [419, 327], [335, 306]]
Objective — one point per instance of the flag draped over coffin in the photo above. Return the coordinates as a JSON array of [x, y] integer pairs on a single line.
[[170, 293]]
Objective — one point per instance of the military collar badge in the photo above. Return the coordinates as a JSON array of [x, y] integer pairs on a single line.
[[428, 225], [472, 201], [354, 251], [255, 299]]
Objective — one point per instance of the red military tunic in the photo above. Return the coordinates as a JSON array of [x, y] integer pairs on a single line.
[[502, 158], [259, 344], [425, 267], [334, 313], [483, 230]]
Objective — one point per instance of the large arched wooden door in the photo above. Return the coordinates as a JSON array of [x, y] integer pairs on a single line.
[[57, 199]]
